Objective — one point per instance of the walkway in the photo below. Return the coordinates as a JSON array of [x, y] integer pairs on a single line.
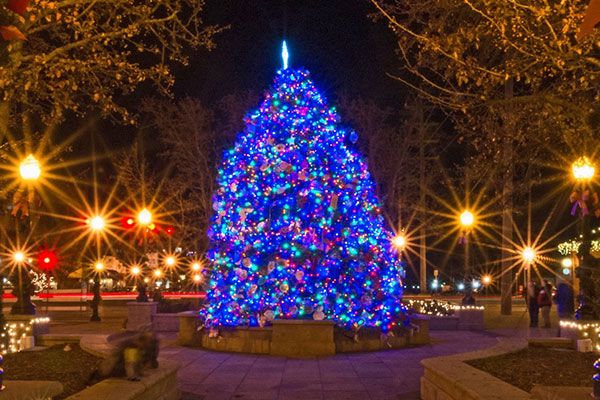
[[394, 374]]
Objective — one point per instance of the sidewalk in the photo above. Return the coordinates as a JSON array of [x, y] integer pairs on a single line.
[[394, 374]]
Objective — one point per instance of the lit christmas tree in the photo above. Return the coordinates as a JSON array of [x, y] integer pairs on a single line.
[[297, 230]]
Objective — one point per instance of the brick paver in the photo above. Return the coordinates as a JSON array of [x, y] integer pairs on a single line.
[[392, 374]]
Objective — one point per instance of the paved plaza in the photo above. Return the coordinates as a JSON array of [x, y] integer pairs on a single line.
[[382, 375], [393, 374]]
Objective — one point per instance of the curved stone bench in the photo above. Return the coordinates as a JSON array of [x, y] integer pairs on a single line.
[[450, 378], [156, 384], [28, 390]]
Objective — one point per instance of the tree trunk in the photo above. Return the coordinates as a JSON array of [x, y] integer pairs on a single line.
[[506, 277]]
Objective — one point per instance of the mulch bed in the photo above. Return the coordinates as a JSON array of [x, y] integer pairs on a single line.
[[540, 366], [71, 368]]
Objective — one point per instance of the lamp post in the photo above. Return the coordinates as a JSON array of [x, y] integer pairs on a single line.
[[528, 254], [466, 219], [98, 269], [23, 305], [144, 218], [583, 171], [96, 224], [29, 172]]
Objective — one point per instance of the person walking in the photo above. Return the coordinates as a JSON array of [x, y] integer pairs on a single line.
[[564, 301], [531, 301], [544, 301]]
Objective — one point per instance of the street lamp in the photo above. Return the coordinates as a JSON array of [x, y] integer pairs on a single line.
[[96, 223], [144, 217], [583, 171], [18, 257], [399, 242], [466, 219], [22, 292], [170, 261], [98, 268], [30, 169], [529, 255], [486, 280], [29, 172], [196, 266]]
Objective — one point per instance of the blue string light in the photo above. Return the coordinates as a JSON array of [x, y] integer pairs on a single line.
[[297, 231]]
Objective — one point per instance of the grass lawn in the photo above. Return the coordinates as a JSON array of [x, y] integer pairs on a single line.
[[71, 368], [541, 366]]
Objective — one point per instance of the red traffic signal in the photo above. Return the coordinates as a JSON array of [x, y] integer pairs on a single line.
[[128, 222], [47, 260]]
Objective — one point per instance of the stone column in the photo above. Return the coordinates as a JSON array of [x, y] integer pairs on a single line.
[[140, 314]]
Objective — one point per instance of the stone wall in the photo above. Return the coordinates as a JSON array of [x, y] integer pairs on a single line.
[[156, 384], [295, 338], [449, 378]]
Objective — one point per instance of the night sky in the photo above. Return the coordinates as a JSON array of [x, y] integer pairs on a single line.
[[335, 39]]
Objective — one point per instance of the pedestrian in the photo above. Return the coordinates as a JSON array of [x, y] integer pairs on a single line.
[[531, 301], [468, 299], [544, 300], [564, 301]]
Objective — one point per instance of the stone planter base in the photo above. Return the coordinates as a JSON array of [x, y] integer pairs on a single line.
[[302, 338], [470, 319], [296, 338]]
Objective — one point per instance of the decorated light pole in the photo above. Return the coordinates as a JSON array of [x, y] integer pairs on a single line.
[[585, 206]]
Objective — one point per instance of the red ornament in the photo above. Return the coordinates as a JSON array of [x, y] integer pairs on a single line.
[[17, 6], [47, 260], [169, 230]]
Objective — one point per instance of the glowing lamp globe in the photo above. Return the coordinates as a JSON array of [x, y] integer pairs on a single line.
[[583, 169], [30, 168], [96, 223], [135, 270], [170, 261], [99, 266], [157, 273], [196, 267], [486, 279], [528, 255], [566, 262], [144, 217], [18, 256], [399, 241], [197, 278], [467, 218]]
